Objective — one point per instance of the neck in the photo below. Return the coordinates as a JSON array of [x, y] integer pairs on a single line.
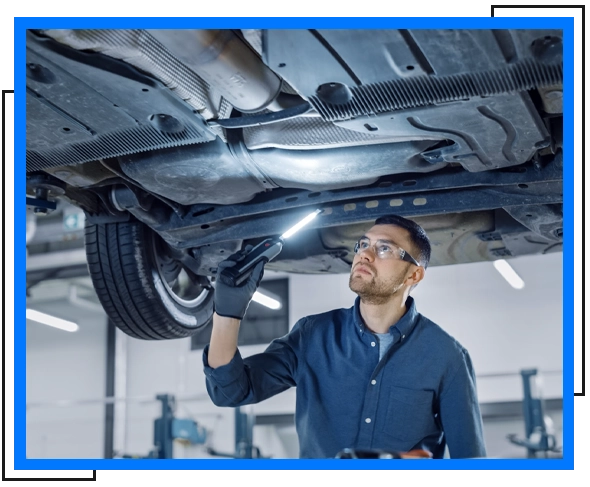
[[380, 317]]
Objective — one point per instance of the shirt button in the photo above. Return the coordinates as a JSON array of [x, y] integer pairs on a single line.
[[372, 344], [368, 420], [373, 382], [403, 336]]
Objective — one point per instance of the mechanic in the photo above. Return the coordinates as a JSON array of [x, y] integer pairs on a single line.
[[376, 376]]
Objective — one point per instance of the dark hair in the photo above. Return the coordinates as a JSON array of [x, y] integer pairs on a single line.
[[417, 235]]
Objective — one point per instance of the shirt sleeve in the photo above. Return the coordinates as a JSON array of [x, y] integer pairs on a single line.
[[460, 415], [258, 377]]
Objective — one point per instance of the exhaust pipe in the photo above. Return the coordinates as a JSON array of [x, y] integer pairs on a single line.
[[222, 59]]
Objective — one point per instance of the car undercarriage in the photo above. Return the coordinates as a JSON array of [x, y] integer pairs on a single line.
[[183, 146]]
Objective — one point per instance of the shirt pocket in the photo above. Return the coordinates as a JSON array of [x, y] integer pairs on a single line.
[[409, 415]]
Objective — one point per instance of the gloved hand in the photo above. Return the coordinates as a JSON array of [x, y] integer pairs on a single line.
[[232, 302]]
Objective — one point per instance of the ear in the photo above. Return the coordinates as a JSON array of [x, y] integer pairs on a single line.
[[415, 277]]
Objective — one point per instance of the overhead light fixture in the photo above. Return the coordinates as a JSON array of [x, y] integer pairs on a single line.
[[508, 273], [267, 301], [49, 320]]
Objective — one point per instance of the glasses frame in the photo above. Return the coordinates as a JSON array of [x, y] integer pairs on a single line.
[[405, 256]]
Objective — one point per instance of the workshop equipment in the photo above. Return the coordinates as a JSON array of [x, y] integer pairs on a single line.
[[168, 429], [538, 439], [244, 428]]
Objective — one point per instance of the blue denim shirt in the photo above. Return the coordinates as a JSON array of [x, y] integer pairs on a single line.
[[422, 394]]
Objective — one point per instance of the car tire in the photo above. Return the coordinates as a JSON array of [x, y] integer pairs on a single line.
[[132, 278]]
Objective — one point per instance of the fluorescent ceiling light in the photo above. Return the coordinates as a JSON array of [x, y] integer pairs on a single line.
[[509, 273], [51, 320], [267, 301]]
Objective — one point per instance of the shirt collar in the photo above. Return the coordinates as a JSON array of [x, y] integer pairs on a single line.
[[404, 326]]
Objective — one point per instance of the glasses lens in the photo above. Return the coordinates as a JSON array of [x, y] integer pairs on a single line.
[[361, 245], [381, 250], [388, 251]]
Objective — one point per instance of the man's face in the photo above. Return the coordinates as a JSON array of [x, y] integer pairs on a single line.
[[377, 280]]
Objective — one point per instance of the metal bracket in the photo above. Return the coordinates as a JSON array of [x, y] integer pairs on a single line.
[[40, 204]]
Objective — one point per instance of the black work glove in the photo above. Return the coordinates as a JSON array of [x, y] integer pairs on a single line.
[[232, 302]]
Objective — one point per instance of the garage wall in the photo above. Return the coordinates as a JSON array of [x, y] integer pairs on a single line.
[[64, 366], [504, 330]]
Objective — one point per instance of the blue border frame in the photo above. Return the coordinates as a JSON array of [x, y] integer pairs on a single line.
[[20, 26]]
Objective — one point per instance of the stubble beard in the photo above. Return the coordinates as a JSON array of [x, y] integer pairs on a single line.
[[375, 291]]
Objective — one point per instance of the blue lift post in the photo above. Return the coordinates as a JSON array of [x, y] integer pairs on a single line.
[[163, 427], [244, 433], [538, 439]]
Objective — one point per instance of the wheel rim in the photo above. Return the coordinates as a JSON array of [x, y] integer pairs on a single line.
[[179, 282]]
